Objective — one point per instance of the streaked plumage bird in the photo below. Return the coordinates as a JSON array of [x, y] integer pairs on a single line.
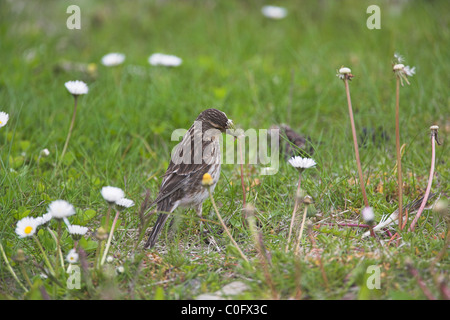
[[197, 153]]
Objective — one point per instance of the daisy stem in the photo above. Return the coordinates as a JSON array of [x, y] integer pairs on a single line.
[[49, 265], [108, 244], [225, 227], [294, 211], [430, 181], [52, 233], [399, 157], [355, 142], [59, 245], [297, 248], [25, 274], [98, 253], [101, 246], [8, 266], [70, 128], [108, 214]]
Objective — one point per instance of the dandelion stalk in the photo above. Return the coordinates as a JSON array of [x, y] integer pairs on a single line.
[[399, 156], [10, 269], [402, 73], [347, 77], [207, 181], [108, 243], [434, 132]]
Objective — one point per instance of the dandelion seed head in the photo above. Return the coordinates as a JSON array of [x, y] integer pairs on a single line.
[[398, 66], [368, 215], [399, 58], [345, 70], [344, 73], [409, 71]]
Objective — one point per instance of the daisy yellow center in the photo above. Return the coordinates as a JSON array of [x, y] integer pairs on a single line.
[[28, 229]]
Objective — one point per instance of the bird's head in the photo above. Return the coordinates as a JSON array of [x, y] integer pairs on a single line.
[[215, 119]]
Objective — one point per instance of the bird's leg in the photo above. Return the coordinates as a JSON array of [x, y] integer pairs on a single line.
[[173, 225], [198, 211]]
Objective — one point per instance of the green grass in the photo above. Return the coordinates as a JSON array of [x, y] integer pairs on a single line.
[[260, 72]]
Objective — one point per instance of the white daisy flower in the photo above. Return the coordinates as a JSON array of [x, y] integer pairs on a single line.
[[274, 12], [45, 218], [45, 152], [60, 209], [112, 194], [368, 215], [77, 87], [4, 117], [120, 269], [113, 59], [124, 202], [72, 257], [301, 163], [77, 231], [160, 59], [26, 227]]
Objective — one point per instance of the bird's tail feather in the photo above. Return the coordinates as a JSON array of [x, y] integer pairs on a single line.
[[160, 222]]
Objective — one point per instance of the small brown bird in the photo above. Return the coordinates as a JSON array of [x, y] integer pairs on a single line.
[[198, 153]]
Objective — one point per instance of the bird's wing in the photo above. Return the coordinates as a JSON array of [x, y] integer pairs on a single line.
[[179, 174], [177, 178]]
